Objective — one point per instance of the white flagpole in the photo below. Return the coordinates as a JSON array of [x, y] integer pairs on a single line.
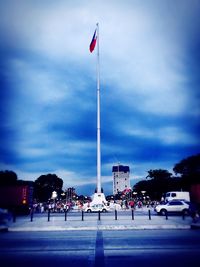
[[98, 119]]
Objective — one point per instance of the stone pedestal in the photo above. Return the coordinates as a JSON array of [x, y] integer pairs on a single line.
[[99, 198]]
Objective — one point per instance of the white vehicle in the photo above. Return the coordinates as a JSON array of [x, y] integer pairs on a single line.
[[174, 206], [177, 195], [96, 208]]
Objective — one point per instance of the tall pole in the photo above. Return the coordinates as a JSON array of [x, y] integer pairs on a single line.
[[98, 119]]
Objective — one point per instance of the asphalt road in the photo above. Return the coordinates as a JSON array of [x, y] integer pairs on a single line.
[[101, 248]]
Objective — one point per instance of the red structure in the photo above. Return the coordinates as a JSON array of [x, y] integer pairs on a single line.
[[16, 198]]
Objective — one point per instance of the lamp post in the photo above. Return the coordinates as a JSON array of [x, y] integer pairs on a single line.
[[54, 195], [62, 194], [143, 196], [134, 195], [143, 193]]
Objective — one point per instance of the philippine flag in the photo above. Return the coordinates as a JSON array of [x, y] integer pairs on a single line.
[[93, 42]]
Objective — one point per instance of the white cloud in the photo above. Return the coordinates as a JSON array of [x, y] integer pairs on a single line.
[[136, 54], [37, 83], [166, 135], [174, 135]]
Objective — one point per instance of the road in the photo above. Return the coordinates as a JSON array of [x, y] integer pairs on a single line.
[[101, 248]]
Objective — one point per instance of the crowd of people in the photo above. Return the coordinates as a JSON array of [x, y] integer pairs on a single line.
[[52, 206], [57, 206]]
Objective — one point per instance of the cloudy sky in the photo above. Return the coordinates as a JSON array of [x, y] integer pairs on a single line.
[[150, 87]]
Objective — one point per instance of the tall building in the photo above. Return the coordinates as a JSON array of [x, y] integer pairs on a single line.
[[121, 180]]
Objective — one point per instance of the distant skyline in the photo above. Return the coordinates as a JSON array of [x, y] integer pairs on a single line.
[[149, 81]]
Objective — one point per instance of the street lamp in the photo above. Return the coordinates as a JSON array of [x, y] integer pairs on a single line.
[[54, 195], [134, 194], [63, 195], [143, 193]]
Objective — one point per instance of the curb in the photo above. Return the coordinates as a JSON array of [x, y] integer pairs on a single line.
[[195, 226], [3, 228], [99, 227]]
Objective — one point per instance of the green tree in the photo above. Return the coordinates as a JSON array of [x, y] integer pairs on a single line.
[[8, 178], [160, 182], [189, 170], [159, 175], [157, 182], [45, 185], [142, 186]]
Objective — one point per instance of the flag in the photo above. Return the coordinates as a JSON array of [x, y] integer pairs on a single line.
[[93, 42]]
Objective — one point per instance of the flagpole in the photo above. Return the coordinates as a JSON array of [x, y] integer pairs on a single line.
[[98, 119]]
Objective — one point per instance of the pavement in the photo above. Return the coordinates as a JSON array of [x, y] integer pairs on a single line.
[[140, 221]]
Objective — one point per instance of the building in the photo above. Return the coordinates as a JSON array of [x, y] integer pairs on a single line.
[[121, 180]]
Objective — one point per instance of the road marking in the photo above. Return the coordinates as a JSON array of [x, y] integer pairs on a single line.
[[99, 250]]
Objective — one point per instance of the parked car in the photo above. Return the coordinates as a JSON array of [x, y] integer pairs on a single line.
[[174, 206], [96, 208]]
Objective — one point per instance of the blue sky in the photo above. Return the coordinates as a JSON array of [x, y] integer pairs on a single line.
[[150, 95]]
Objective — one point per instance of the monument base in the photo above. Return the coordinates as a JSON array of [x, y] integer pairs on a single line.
[[99, 198]]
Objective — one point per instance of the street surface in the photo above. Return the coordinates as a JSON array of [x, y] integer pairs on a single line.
[[100, 248]]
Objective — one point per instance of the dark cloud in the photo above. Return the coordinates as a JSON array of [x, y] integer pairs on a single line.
[[149, 70]]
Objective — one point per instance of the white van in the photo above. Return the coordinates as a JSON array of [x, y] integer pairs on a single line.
[[177, 195]]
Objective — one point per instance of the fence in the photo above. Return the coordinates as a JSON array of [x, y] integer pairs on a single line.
[[81, 215]]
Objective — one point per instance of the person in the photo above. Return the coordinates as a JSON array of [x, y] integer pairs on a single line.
[[126, 204], [194, 212], [132, 204], [139, 204]]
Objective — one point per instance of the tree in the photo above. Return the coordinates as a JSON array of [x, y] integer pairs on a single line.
[[142, 186], [46, 184], [189, 170], [8, 178], [158, 182], [159, 174]]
